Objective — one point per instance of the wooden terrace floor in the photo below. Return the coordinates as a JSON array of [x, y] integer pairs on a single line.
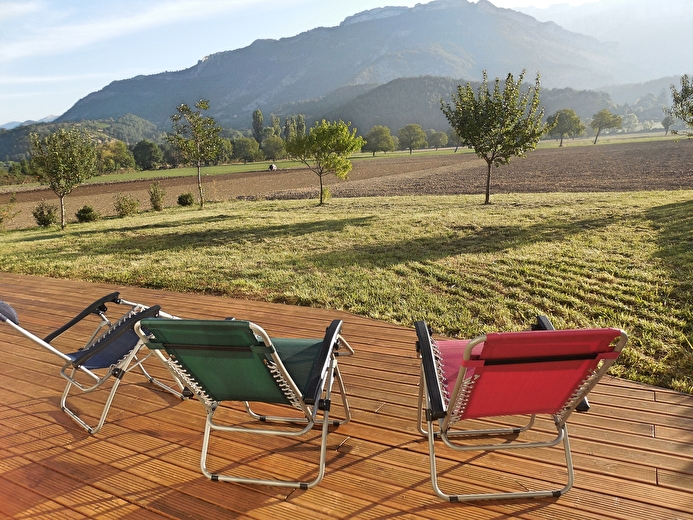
[[633, 451]]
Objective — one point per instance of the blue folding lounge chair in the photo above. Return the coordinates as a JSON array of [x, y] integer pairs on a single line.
[[110, 351], [234, 360], [504, 374]]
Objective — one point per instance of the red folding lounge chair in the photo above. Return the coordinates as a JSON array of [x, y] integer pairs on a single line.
[[508, 374]]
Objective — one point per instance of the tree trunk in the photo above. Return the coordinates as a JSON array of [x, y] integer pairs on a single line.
[[595, 137], [320, 203], [62, 212], [199, 186], [488, 183]]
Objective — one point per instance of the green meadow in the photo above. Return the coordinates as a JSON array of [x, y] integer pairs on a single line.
[[584, 260]]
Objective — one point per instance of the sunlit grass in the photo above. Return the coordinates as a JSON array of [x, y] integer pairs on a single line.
[[584, 260]]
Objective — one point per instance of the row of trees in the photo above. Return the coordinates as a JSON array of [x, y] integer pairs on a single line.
[[499, 124]]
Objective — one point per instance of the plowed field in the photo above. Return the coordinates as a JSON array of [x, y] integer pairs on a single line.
[[630, 166]]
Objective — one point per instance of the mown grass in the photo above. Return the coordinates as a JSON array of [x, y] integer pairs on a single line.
[[584, 260]]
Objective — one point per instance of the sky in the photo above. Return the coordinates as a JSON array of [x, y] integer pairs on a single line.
[[55, 52]]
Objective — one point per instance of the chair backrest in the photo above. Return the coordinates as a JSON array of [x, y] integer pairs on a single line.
[[114, 344], [532, 372], [224, 357]]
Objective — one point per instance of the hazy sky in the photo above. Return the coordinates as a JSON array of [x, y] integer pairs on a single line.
[[55, 52]]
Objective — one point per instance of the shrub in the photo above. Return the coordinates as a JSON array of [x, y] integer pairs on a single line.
[[125, 205], [7, 211], [87, 214], [186, 199], [45, 214], [156, 196]]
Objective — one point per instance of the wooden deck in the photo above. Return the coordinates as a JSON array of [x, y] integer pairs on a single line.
[[633, 451]]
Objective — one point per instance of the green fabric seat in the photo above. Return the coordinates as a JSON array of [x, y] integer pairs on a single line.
[[235, 360]]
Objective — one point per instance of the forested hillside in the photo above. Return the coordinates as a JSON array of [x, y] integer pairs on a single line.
[[14, 144]]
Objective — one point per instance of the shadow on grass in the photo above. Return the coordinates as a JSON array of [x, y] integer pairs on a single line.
[[675, 222]]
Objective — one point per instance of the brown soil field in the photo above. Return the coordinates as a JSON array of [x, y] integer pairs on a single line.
[[625, 166]]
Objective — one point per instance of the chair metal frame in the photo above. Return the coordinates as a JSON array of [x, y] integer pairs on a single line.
[[444, 410], [88, 368], [311, 401]]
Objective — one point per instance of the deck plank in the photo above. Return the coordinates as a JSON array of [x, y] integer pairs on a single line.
[[633, 452]]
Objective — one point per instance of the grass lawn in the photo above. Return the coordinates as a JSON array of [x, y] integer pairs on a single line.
[[584, 260]]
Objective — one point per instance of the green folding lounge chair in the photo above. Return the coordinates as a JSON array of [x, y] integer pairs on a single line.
[[500, 375], [234, 360], [109, 352]]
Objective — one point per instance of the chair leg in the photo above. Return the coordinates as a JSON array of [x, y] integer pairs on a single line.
[[183, 393], [209, 426], [510, 495], [107, 406]]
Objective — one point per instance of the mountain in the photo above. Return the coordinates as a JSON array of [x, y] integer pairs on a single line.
[[444, 38], [15, 124], [651, 37]]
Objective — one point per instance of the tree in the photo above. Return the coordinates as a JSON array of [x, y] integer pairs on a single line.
[[273, 147], [258, 130], [564, 123], [437, 139], [497, 125], [682, 105], [197, 138], [603, 120], [113, 156], [379, 139], [246, 149], [411, 136], [65, 160], [326, 149], [148, 155], [667, 121]]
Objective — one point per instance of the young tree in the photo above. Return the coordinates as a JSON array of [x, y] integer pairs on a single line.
[[411, 136], [682, 106], [497, 125], [65, 160], [603, 120], [197, 138], [565, 123], [326, 149], [379, 139], [258, 130]]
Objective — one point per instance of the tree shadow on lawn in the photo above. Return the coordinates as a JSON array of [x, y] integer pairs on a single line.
[[675, 240], [466, 240], [171, 238]]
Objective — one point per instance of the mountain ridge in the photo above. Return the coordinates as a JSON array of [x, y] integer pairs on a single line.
[[445, 38]]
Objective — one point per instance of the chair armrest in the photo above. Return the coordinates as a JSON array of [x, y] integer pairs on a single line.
[[98, 305], [425, 348], [317, 375]]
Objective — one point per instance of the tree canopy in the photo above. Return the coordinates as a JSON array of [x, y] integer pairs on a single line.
[[603, 120], [197, 138], [65, 159], [565, 123], [411, 136], [379, 139], [326, 149], [497, 125], [682, 106]]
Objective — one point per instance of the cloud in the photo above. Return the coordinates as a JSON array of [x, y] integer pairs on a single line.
[[10, 10], [94, 22]]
